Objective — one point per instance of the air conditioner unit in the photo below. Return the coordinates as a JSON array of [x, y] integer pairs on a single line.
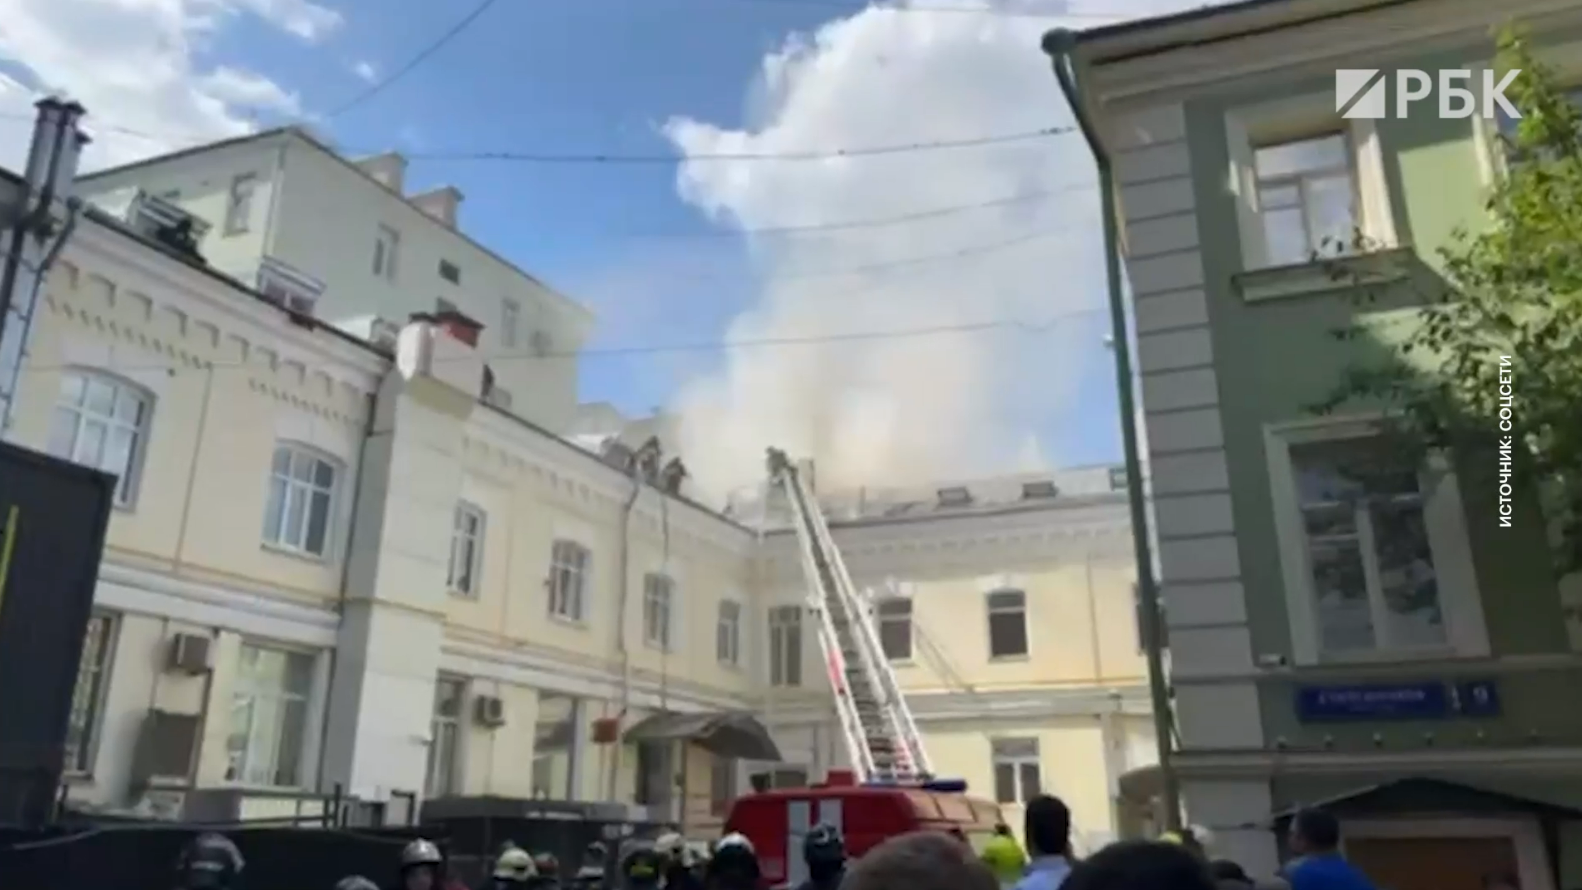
[[189, 654], [488, 711]]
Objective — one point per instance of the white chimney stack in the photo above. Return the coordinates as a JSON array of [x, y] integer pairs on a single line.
[[389, 168], [440, 203]]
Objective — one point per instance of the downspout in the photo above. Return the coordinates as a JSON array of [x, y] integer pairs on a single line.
[[1059, 44], [624, 568], [346, 573]]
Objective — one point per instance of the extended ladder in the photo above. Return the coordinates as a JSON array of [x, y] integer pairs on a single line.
[[881, 736]]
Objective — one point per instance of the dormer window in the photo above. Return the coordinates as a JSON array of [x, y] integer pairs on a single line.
[[287, 287], [955, 496], [163, 221]]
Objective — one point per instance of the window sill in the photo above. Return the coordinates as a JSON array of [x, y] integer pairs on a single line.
[[1010, 659], [299, 555], [1387, 656], [1386, 266], [568, 621], [462, 595], [657, 646], [734, 667]]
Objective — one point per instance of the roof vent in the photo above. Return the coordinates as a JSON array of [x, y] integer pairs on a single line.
[[1043, 488], [955, 496]]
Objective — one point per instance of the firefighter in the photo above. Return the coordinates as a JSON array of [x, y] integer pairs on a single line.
[[513, 870], [547, 869], [824, 851], [590, 876], [421, 864], [642, 868], [210, 862], [734, 865]]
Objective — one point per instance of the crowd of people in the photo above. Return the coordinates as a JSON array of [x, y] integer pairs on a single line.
[[923, 860]]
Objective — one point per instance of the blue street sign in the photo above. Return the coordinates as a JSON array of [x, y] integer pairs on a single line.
[[1410, 701]]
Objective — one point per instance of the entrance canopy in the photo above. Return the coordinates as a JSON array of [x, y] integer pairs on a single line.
[[734, 734], [1416, 796]]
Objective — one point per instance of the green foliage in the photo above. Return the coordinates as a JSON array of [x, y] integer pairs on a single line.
[[1512, 307]]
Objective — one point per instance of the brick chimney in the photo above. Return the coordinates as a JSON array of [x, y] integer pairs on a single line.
[[389, 168], [440, 203]]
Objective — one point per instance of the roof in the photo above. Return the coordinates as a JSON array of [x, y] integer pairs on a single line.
[[1212, 24], [1419, 795], [733, 734], [302, 134]]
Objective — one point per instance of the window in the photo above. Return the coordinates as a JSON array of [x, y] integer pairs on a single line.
[[568, 579], [301, 496], [543, 778], [728, 633], [466, 549], [1007, 624], [239, 206], [895, 628], [87, 695], [785, 646], [1017, 776], [1307, 197], [1369, 569], [722, 785], [283, 292], [269, 712], [102, 422], [450, 271], [658, 598], [510, 321], [444, 747], [387, 244]]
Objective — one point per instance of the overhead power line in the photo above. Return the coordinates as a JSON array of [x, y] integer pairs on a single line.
[[417, 60]]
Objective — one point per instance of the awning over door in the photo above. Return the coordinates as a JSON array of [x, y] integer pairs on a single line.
[[734, 734]]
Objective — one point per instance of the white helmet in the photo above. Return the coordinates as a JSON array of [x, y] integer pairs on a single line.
[[735, 839], [515, 865], [670, 844]]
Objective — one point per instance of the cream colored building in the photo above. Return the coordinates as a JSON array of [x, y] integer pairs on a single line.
[[337, 565]]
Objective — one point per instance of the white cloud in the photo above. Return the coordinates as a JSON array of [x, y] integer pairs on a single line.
[[899, 410], [133, 64], [366, 71]]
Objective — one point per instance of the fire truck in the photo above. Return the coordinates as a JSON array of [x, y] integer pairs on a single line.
[[866, 813]]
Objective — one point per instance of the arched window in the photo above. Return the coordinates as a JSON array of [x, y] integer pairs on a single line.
[[301, 505], [101, 421]]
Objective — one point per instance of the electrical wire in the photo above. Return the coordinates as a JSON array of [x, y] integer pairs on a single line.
[[423, 55]]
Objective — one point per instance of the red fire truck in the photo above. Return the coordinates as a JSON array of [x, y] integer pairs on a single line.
[[777, 820]]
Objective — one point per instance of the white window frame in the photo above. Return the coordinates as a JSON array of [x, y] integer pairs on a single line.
[[468, 532], [880, 619], [659, 602], [387, 252], [243, 687], [1018, 764], [90, 691], [728, 634], [239, 203], [274, 538], [510, 323], [129, 475], [287, 293], [1443, 514], [991, 610], [569, 601], [1250, 127], [442, 773], [785, 646]]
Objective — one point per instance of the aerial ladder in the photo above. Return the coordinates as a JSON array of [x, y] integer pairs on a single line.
[[881, 735]]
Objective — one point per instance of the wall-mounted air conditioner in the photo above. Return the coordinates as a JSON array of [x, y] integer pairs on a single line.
[[488, 711], [189, 654]]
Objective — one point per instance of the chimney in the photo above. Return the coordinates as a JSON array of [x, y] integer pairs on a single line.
[[440, 203], [389, 168]]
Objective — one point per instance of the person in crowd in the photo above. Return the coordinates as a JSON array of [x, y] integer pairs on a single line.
[[1004, 856], [513, 870], [421, 865], [1501, 881], [210, 862], [1046, 826], [698, 853], [919, 860], [355, 882], [1229, 876], [590, 875], [1315, 840], [676, 871], [734, 865], [824, 851], [642, 868], [1141, 865], [546, 872]]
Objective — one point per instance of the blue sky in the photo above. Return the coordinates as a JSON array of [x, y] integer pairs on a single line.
[[636, 244]]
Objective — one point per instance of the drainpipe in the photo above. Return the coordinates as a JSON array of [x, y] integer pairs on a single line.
[[1059, 44], [624, 568]]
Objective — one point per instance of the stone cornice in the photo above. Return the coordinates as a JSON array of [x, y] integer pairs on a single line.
[[938, 708]]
